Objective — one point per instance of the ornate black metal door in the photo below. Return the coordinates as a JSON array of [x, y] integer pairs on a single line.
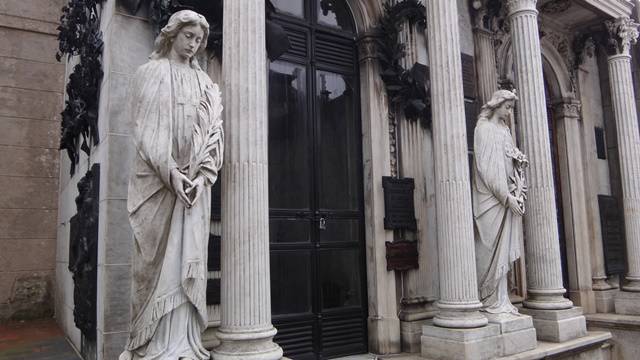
[[318, 286]]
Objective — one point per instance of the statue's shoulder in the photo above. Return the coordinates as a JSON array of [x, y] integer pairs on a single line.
[[152, 66]]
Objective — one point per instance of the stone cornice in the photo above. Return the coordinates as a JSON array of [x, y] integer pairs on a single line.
[[623, 33], [612, 8]]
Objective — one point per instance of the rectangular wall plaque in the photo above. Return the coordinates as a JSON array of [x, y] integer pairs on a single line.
[[468, 76], [402, 255], [213, 258], [613, 243], [399, 210], [213, 292]]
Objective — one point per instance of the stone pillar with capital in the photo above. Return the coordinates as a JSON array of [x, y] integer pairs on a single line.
[[555, 318], [245, 331], [623, 33]]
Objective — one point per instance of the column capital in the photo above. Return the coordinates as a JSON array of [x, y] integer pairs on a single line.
[[568, 108], [367, 46], [623, 32], [521, 6]]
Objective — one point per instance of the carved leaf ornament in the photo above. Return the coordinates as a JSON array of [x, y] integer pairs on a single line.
[[79, 35], [407, 89]]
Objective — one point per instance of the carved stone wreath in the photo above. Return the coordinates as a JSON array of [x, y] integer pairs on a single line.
[[406, 88], [80, 35]]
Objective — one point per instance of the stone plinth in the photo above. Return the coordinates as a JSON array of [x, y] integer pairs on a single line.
[[439, 343], [627, 303], [558, 325], [517, 333]]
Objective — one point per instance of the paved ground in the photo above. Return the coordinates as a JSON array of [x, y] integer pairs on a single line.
[[34, 340]]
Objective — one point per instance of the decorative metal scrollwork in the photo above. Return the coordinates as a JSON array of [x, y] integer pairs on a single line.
[[83, 252], [80, 35], [407, 89]]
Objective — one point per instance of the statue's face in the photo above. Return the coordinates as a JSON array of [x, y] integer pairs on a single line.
[[505, 112], [188, 41]]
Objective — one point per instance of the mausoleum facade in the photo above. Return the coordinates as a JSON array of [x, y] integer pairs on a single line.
[[342, 219]]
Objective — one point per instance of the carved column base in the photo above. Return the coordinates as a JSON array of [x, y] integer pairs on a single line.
[[460, 316], [247, 345], [547, 299], [632, 285], [601, 284]]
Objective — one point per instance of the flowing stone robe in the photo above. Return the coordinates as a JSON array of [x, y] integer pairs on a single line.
[[170, 251], [498, 230]]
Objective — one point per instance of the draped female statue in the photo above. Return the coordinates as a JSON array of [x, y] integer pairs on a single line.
[[499, 194], [176, 109]]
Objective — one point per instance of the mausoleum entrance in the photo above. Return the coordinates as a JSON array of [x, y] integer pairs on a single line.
[[316, 210]]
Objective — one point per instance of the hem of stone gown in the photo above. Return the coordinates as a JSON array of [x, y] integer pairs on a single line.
[[178, 336]]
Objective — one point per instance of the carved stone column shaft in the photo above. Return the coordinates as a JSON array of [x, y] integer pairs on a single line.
[[458, 284], [624, 107], [485, 64], [544, 272], [245, 331]]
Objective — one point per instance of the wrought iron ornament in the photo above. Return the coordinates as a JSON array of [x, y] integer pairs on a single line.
[[83, 252], [79, 35], [407, 89]]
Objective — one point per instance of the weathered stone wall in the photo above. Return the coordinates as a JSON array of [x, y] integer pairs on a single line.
[[31, 98]]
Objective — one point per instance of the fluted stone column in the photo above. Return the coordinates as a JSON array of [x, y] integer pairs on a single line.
[[458, 302], [485, 58], [624, 32], [245, 331], [544, 272]]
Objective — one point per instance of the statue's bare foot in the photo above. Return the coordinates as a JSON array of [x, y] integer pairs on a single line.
[[126, 355]]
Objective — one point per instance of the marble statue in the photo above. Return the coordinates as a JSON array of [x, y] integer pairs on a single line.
[[177, 110], [499, 195]]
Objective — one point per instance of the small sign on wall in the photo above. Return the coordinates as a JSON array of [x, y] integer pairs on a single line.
[[402, 255], [399, 210], [612, 227]]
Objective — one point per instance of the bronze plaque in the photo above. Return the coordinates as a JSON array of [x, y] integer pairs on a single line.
[[613, 243], [399, 211], [468, 76], [402, 255]]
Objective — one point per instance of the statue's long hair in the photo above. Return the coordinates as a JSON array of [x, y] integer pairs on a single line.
[[177, 21], [498, 98]]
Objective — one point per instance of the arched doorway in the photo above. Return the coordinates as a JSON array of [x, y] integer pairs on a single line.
[[318, 284]]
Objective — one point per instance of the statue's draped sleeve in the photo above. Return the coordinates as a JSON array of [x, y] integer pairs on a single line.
[[489, 154]]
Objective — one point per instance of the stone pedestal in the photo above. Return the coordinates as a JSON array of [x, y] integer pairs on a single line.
[[605, 300], [558, 325], [439, 343], [517, 333], [627, 303], [245, 330]]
